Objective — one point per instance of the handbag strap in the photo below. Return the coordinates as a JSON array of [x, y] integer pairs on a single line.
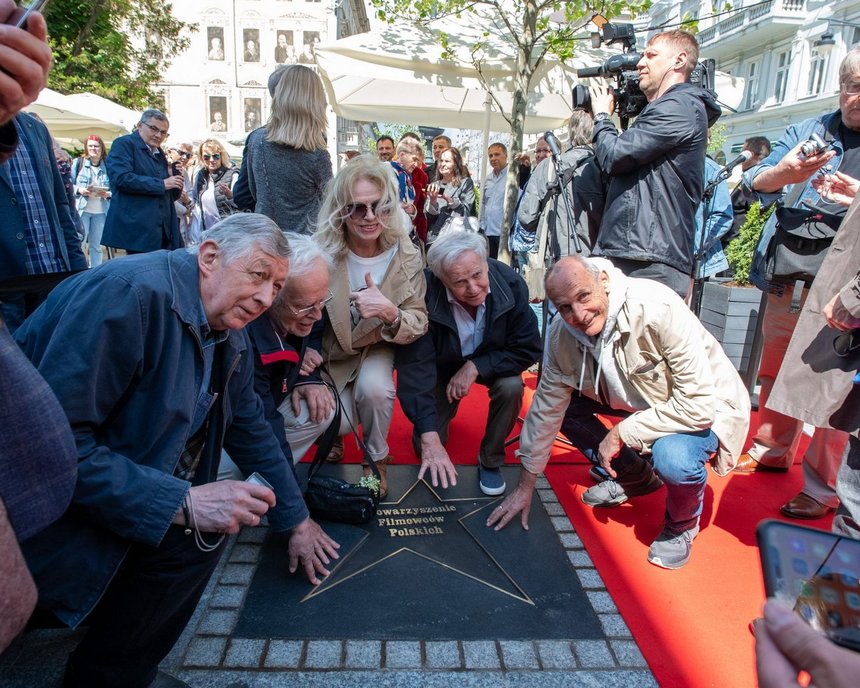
[[327, 440]]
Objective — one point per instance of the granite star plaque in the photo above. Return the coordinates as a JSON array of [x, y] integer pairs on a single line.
[[426, 568]]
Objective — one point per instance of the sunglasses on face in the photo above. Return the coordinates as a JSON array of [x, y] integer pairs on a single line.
[[213, 156], [358, 211]]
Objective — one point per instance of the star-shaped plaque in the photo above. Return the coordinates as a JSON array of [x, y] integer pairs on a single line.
[[436, 530]]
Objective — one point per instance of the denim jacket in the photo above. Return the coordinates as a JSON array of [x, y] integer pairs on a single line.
[[826, 126], [719, 222], [87, 176]]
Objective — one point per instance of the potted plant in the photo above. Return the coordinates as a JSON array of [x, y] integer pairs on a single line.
[[730, 306]]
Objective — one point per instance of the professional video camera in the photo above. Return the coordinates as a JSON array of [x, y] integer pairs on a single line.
[[629, 99]]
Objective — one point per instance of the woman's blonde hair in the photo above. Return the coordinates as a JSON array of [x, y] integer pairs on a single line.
[[298, 110], [331, 224], [213, 143]]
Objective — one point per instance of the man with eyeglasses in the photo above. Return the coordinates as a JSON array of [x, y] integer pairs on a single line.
[[286, 342], [788, 174], [144, 185]]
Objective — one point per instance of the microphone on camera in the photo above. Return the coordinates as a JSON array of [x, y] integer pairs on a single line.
[[743, 157], [553, 143]]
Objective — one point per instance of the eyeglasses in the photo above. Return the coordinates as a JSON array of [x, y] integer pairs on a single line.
[[358, 211], [214, 156], [310, 309], [850, 88], [185, 156], [156, 130]]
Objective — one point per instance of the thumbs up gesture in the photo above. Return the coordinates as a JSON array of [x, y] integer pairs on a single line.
[[372, 303]]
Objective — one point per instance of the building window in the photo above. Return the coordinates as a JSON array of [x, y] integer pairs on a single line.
[[817, 73], [781, 81], [751, 95]]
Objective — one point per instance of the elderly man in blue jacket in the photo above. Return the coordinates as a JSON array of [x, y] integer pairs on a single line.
[[482, 329], [149, 359], [144, 185]]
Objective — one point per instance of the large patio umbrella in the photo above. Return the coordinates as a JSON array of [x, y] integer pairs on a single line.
[[397, 73], [74, 117]]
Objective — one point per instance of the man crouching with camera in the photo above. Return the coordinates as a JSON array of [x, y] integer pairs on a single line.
[[656, 165], [794, 174]]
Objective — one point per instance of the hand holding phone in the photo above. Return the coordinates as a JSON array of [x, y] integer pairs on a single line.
[[817, 574], [26, 59]]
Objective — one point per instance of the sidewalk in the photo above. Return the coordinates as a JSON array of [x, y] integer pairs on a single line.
[[209, 655]]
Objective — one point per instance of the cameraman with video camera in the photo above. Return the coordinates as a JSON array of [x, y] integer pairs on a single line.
[[655, 166], [791, 175]]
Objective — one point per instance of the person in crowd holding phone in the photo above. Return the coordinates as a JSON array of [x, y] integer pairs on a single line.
[[213, 187], [161, 379], [92, 189], [631, 347], [180, 158], [378, 303], [286, 165], [38, 464], [286, 342], [448, 194], [482, 331], [142, 215], [788, 174]]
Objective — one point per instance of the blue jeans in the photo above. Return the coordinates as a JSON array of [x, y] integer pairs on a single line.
[[93, 227], [678, 459]]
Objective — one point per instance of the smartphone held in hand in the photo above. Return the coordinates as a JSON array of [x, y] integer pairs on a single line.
[[815, 572]]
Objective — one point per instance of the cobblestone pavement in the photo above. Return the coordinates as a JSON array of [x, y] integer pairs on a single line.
[[208, 655]]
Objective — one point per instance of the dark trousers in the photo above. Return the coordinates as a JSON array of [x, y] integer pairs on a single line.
[[493, 246], [142, 614], [506, 398], [677, 281], [584, 429], [16, 308]]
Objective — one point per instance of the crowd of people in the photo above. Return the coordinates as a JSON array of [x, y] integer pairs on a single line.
[[254, 306]]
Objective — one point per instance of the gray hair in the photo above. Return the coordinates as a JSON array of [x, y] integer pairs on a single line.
[[450, 246], [331, 225], [304, 254], [580, 128], [240, 234], [152, 113], [850, 66]]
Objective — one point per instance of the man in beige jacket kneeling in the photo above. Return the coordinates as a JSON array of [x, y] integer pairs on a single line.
[[630, 347]]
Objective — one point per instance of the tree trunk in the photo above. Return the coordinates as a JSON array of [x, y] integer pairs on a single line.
[[522, 80], [84, 34]]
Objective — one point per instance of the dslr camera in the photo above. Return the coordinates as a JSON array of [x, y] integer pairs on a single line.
[[629, 99]]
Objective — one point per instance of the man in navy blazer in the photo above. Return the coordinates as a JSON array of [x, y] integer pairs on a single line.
[[141, 217], [39, 244]]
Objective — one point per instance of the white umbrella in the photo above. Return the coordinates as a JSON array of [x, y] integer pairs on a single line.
[[73, 118]]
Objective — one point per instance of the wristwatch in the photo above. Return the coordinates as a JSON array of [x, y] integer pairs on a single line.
[[600, 116]]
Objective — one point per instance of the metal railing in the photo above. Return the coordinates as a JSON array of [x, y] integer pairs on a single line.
[[747, 15]]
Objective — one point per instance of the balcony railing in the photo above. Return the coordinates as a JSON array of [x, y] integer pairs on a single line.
[[745, 16]]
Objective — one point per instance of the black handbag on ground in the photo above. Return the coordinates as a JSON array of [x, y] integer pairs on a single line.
[[332, 499]]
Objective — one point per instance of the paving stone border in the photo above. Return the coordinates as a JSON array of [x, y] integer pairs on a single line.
[[210, 648]]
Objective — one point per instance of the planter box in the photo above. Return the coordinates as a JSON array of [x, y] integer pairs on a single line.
[[730, 313]]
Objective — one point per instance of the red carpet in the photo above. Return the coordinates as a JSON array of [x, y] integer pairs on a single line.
[[691, 624]]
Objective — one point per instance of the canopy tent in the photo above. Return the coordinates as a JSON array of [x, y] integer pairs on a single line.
[[397, 74], [74, 117]]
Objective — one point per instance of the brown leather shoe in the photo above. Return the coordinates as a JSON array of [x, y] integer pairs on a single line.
[[805, 507], [747, 464], [382, 465]]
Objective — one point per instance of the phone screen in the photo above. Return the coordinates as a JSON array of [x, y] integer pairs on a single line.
[[817, 573]]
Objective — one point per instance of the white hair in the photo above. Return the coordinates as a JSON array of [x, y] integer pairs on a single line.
[[448, 247]]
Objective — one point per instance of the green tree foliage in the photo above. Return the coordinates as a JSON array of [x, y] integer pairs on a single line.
[[527, 26], [717, 138], [740, 251], [395, 131], [94, 48]]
